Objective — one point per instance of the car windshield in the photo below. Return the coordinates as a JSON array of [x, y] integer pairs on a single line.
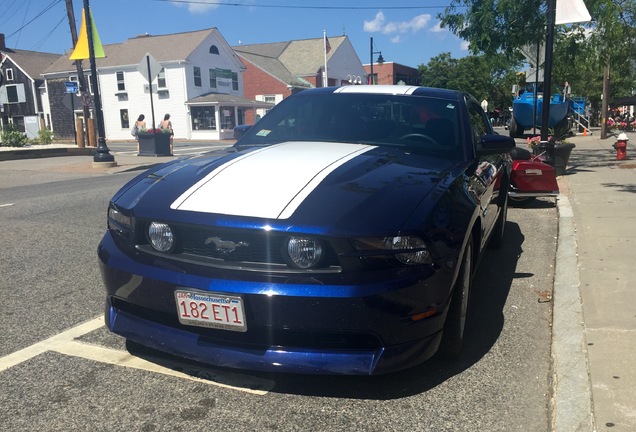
[[417, 123]]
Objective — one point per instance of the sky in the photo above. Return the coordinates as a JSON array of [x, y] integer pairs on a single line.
[[404, 31]]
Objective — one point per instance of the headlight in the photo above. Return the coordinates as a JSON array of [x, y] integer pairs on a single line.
[[303, 253], [412, 249], [419, 256], [121, 221], [161, 236]]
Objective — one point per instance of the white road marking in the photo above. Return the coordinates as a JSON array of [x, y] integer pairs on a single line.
[[65, 343], [7, 205], [178, 151]]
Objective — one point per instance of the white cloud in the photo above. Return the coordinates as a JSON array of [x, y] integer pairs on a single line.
[[375, 25], [201, 6], [437, 28], [396, 39], [464, 46], [414, 25], [419, 22]]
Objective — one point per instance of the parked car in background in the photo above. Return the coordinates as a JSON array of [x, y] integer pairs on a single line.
[[339, 235], [240, 130]]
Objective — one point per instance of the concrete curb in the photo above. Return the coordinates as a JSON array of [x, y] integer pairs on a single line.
[[44, 153], [571, 399]]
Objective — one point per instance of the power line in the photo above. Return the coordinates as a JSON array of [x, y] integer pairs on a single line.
[[11, 11], [39, 43], [46, 9], [221, 3]]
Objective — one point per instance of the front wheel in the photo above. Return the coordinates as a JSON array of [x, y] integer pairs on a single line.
[[499, 230], [453, 333], [513, 128]]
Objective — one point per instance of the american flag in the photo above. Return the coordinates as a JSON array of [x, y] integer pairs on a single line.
[[327, 45]]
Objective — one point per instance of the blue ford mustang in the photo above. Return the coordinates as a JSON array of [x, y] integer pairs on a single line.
[[339, 235]]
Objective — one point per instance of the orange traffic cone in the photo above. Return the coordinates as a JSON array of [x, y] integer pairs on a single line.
[[584, 131]]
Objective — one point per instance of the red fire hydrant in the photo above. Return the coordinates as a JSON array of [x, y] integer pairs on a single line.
[[621, 146]]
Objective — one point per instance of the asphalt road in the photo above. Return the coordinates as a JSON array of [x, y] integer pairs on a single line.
[[60, 370]]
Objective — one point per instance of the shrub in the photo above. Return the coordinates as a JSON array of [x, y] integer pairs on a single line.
[[45, 136], [12, 137]]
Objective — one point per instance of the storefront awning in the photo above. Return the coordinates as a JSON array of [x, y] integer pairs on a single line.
[[227, 100], [626, 101]]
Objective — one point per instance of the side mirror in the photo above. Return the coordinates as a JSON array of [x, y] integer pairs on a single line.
[[493, 144]]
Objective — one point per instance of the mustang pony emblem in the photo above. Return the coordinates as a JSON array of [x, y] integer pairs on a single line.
[[225, 246]]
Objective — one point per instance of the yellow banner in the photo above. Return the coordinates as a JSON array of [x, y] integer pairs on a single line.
[[81, 51]]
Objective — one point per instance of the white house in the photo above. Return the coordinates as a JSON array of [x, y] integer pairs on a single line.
[[199, 83]]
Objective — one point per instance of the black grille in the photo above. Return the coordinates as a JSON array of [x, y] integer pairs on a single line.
[[229, 245]]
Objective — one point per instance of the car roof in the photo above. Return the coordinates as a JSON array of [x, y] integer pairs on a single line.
[[391, 89]]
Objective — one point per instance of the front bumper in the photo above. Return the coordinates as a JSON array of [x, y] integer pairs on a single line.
[[365, 328]]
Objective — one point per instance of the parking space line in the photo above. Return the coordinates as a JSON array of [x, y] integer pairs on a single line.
[[125, 359], [29, 352], [65, 343]]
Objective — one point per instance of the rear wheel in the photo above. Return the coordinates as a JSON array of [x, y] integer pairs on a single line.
[[522, 201], [453, 333]]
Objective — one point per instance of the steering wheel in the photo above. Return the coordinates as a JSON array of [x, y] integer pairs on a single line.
[[425, 138]]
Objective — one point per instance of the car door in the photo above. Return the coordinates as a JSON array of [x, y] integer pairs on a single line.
[[486, 178]]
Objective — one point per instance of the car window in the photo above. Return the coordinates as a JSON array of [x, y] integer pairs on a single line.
[[479, 124], [419, 123]]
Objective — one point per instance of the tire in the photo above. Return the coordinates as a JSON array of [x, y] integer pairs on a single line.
[[453, 333], [513, 128], [522, 201], [499, 230]]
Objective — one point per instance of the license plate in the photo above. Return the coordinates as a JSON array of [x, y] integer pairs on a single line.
[[213, 310]]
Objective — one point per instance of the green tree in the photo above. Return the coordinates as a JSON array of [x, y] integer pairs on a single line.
[[586, 55], [484, 77]]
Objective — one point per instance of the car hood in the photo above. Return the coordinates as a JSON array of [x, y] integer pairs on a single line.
[[314, 186]]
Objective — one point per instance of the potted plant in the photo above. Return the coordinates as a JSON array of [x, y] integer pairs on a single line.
[[154, 142], [556, 149]]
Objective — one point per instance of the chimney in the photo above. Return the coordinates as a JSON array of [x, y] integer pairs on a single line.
[[2, 46]]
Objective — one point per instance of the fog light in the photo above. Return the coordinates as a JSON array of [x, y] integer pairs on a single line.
[[161, 236], [303, 252]]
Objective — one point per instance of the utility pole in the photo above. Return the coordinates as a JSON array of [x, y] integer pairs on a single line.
[[86, 97], [605, 101]]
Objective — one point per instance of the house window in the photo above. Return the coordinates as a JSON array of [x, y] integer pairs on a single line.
[[18, 122], [121, 84], [203, 118], [234, 81], [228, 121], [197, 76], [213, 78], [9, 74], [87, 79], [214, 50], [123, 118], [14, 93], [161, 78], [269, 99]]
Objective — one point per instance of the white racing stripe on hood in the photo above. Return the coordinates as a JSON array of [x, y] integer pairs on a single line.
[[269, 183]]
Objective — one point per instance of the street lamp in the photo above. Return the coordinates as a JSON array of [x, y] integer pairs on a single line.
[[102, 156], [354, 79], [380, 61]]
